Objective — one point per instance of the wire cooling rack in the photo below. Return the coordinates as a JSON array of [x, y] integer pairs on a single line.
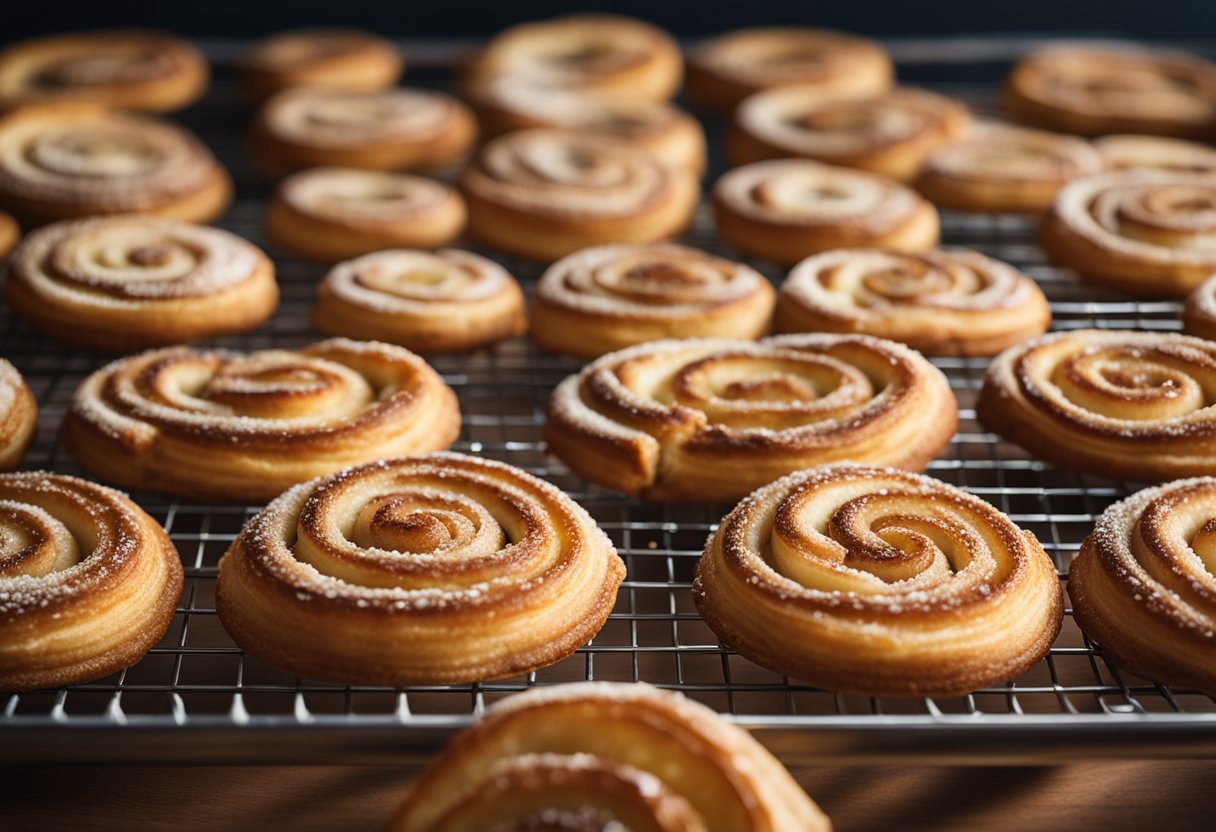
[[196, 698]]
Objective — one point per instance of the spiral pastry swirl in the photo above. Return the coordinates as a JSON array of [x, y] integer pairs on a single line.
[[334, 58], [244, 427], [332, 214], [64, 161], [668, 133], [879, 582], [1155, 153], [117, 283], [607, 298], [1094, 91], [890, 133], [127, 70], [725, 70], [786, 210], [946, 302], [1130, 405], [88, 581], [606, 756], [1143, 232], [18, 416], [440, 569], [587, 53], [705, 420], [396, 129], [543, 194], [1143, 584], [998, 168], [432, 302]]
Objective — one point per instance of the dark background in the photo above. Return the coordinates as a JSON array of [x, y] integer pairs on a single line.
[[1191, 19]]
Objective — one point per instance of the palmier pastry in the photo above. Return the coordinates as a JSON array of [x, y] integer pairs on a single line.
[[336, 58], [998, 168], [706, 420], [18, 417], [879, 582], [397, 129], [242, 428], [606, 298], [788, 209], [946, 302], [1096, 90], [673, 136], [1155, 152], [890, 133], [10, 233], [610, 757], [88, 581], [1199, 313], [449, 300], [127, 70], [1129, 405], [62, 161], [543, 194], [1142, 585], [439, 569], [332, 214], [1149, 233], [725, 70], [119, 283], [589, 53]]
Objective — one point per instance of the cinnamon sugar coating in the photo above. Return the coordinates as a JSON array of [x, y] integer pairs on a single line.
[[879, 582]]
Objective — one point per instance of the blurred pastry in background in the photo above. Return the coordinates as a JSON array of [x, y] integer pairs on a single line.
[[724, 70], [1159, 152], [131, 70], [336, 58]]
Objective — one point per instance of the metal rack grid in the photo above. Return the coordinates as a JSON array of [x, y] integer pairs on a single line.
[[197, 698]]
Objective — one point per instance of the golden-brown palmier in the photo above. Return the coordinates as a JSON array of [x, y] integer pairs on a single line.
[[1199, 311], [607, 298], [88, 581], [439, 569], [606, 756], [130, 282], [396, 129], [431, 302], [589, 53], [945, 302], [244, 427], [1124, 404], [543, 194], [129, 70], [998, 168], [669, 133], [332, 214], [340, 58], [788, 209], [1099, 89], [1156, 152], [725, 70], [890, 133], [10, 233], [707, 420], [1145, 232], [62, 161], [1142, 585], [880, 582], [18, 416]]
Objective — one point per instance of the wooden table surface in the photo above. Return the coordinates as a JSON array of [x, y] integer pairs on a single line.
[[1167, 796]]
